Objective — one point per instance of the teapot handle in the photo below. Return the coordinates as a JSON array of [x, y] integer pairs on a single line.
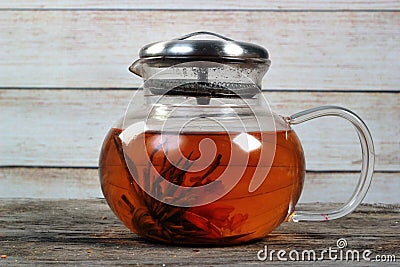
[[368, 158]]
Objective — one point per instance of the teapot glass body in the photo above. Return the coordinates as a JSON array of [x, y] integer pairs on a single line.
[[199, 157]]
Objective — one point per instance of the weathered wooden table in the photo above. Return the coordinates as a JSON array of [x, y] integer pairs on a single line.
[[86, 233]]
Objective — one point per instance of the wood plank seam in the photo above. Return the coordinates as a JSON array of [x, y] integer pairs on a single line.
[[203, 9], [264, 90]]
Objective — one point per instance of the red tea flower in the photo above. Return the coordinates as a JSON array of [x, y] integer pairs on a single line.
[[215, 218]]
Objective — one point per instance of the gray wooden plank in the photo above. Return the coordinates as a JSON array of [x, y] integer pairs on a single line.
[[86, 233], [89, 48], [67, 127], [206, 4], [56, 183], [72, 183]]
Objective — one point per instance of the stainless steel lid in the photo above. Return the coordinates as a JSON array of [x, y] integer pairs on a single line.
[[181, 48]]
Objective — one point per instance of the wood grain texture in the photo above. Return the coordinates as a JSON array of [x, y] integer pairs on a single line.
[[89, 48], [72, 183], [206, 4], [67, 127], [56, 183], [86, 233]]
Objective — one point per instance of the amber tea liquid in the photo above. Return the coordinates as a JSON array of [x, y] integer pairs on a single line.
[[237, 217]]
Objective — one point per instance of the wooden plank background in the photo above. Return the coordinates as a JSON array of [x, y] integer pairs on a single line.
[[64, 77], [207, 4], [66, 127], [93, 48], [76, 183]]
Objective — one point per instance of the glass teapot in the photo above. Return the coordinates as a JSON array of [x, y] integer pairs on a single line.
[[199, 157]]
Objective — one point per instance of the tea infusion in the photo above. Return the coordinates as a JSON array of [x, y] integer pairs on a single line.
[[228, 220]]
